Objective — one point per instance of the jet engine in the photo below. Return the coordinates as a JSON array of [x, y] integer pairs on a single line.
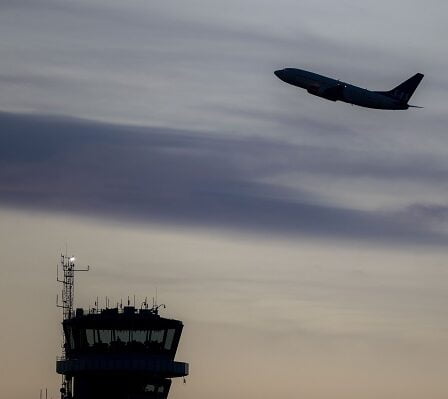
[[329, 93]]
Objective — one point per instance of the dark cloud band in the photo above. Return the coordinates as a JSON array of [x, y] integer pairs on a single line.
[[185, 177]]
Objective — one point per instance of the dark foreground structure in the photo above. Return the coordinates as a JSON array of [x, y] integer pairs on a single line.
[[118, 353]]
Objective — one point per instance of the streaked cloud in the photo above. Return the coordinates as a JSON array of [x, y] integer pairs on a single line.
[[186, 177]]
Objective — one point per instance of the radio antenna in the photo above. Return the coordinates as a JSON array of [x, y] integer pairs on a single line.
[[67, 264]]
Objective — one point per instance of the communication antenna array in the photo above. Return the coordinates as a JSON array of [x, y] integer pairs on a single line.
[[67, 265]]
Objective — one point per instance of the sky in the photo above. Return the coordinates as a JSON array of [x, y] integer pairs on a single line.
[[302, 242]]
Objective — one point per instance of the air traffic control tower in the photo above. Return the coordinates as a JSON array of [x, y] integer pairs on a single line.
[[116, 353]]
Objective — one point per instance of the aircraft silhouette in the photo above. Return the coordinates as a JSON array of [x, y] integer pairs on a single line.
[[335, 90]]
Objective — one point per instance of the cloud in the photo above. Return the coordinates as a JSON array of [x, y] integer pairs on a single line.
[[184, 177], [138, 61]]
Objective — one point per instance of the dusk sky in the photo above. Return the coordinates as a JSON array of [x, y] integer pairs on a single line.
[[303, 242]]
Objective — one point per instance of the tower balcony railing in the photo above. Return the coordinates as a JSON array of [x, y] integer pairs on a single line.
[[162, 367]]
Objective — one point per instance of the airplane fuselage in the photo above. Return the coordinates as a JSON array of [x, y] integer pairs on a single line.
[[335, 90]]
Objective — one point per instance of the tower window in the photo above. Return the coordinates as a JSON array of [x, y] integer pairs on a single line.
[[139, 335], [157, 336], [122, 335], [105, 336], [169, 339], [90, 335]]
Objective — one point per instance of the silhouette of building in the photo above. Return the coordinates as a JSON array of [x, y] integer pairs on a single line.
[[116, 353]]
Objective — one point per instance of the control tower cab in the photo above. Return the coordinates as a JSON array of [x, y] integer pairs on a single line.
[[118, 353], [121, 353]]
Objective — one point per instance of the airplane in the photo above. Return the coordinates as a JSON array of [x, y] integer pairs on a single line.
[[335, 90]]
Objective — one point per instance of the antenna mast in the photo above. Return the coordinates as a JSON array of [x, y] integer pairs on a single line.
[[67, 264]]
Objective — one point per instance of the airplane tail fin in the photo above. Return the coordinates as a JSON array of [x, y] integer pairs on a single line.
[[404, 91]]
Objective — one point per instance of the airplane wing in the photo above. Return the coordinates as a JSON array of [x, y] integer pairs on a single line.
[[329, 92]]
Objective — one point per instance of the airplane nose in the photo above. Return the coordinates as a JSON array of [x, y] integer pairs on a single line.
[[281, 74]]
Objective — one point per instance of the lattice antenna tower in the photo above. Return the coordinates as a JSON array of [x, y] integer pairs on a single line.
[[67, 264]]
